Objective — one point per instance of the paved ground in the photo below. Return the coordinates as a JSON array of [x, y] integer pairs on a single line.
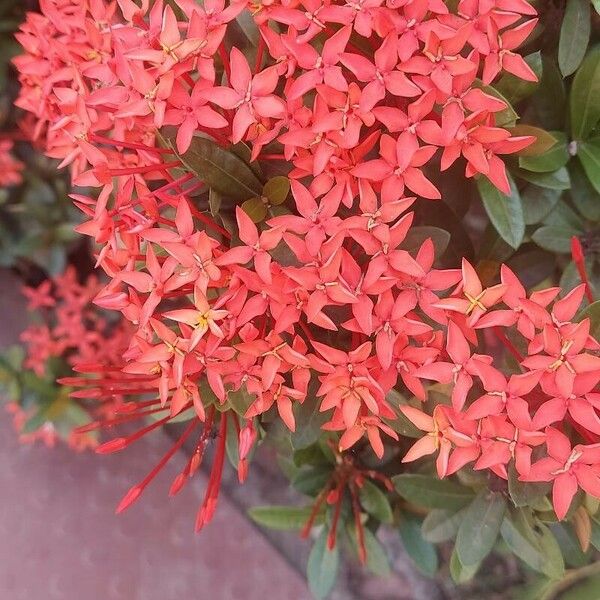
[[59, 538]]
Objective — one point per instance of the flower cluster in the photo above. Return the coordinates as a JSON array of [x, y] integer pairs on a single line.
[[69, 330], [322, 300], [10, 167]]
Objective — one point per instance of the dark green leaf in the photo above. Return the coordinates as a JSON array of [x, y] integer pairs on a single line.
[[283, 517], [524, 493], [585, 91], [592, 312], [555, 564], [589, 154], [255, 208], [574, 35], [417, 235], [308, 423], [311, 481], [420, 550], [480, 527], [375, 502], [584, 196], [550, 98], [569, 545], [505, 212], [220, 169], [322, 567], [441, 525], [432, 492], [538, 203]]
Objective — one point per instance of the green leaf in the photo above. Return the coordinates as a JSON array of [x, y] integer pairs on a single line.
[[504, 118], [596, 4], [524, 542], [592, 312], [557, 180], [459, 572], [255, 208], [555, 564], [584, 196], [516, 89], [432, 492], [220, 169], [417, 235], [283, 517], [277, 189], [480, 527], [551, 97], [308, 423], [588, 589], [322, 567], [311, 481], [585, 91], [574, 35], [538, 203], [375, 502], [589, 154], [551, 160], [525, 493], [544, 140], [441, 525], [377, 558], [420, 550], [505, 212], [569, 545], [554, 239]]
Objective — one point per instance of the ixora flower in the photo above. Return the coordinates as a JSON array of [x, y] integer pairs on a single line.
[[328, 301]]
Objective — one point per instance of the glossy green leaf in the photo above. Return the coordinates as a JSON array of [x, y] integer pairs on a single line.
[[585, 91], [589, 154], [432, 492], [322, 567], [417, 547], [574, 35], [479, 528], [219, 168], [375, 502], [283, 517], [441, 525], [550, 98], [505, 212], [377, 558]]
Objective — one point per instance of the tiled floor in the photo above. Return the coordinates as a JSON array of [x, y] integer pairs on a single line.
[[59, 538]]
